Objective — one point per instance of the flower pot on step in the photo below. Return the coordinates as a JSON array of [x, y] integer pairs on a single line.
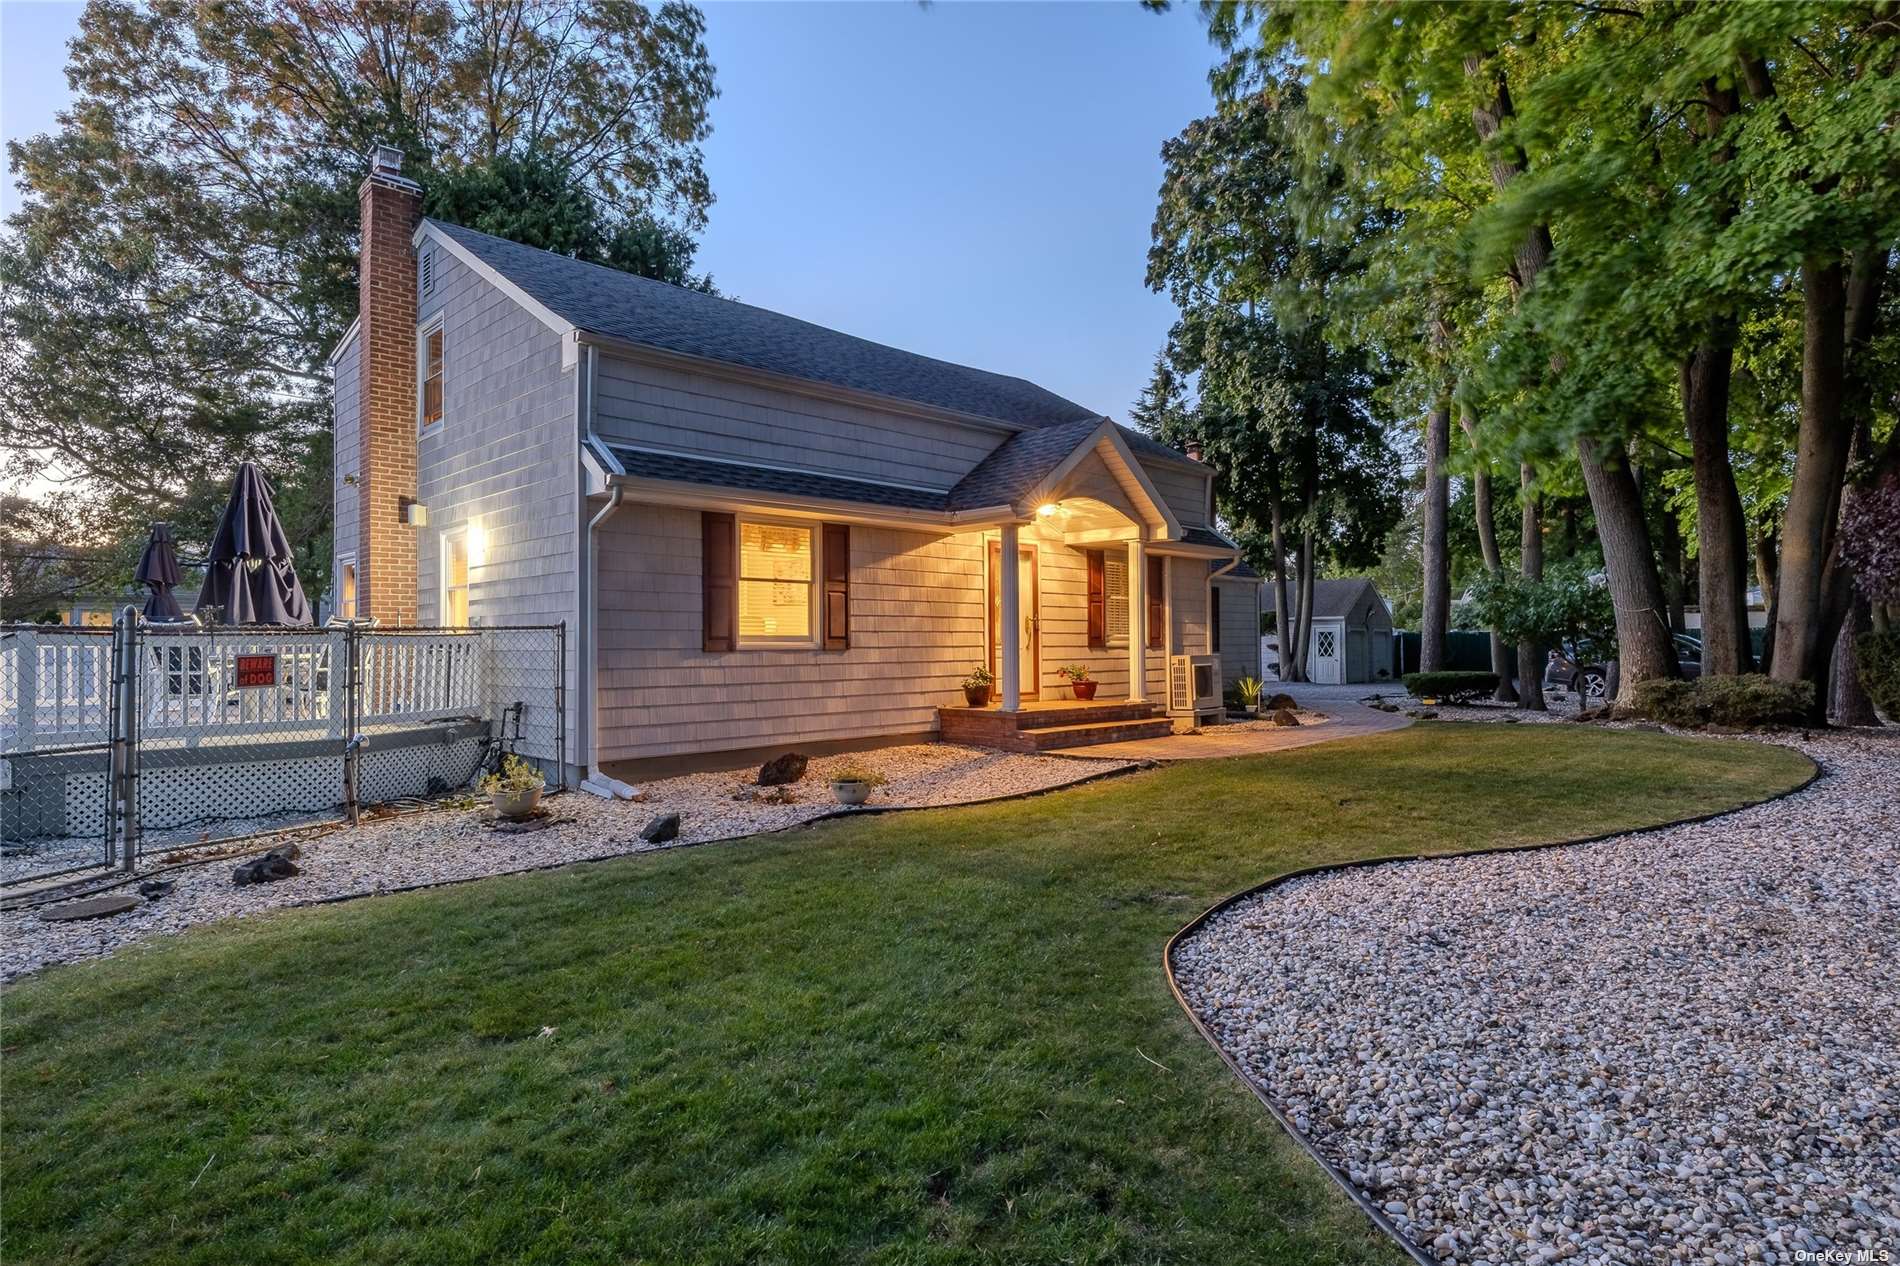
[[976, 696], [1084, 690]]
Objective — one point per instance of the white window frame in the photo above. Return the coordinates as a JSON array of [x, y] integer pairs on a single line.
[[434, 325], [812, 586], [455, 536], [1114, 558], [346, 563]]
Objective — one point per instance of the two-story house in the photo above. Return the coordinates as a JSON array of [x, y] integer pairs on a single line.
[[761, 533]]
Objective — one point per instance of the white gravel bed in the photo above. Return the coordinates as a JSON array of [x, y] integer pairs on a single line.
[[1556, 708], [1675, 1047], [443, 845]]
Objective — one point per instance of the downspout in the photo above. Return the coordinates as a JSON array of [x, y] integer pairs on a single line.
[[615, 492], [1207, 599], [588, 608]]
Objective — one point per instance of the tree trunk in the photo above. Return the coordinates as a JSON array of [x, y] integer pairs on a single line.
[[1501, 664], [1530, 546], [1281, 631], [1802, 649], [1851, 704], [1768, 576], [1644, 648], [1437, 552], [1721, 530], [1305, 630]]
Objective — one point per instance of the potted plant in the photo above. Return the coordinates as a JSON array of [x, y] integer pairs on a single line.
[[1077, 675], [515, 789], [853, 782], [1248, 688], [976, 687]]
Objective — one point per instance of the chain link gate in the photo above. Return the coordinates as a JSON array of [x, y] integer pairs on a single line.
[[148, 740]]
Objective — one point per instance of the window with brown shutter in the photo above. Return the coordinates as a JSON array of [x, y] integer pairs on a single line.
[[718, 553], [1157, 603], [1098, 597], [1213, 619], [837, 564]]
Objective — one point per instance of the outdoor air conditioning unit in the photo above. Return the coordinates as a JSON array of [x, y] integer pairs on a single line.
[[1194, 685]]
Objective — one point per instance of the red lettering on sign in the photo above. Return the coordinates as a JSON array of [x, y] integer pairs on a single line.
[[256, 670]]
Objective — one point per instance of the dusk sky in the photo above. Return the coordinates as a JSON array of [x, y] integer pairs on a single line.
[[969, 181]]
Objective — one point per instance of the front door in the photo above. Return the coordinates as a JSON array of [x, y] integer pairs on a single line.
[[1028, 630]]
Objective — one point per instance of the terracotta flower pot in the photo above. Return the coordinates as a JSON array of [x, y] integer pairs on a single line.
[[850, 791], [976, 696], [1084, 689], [515, 805]]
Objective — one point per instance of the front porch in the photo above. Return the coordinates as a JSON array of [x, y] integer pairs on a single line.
[[1041, 726]]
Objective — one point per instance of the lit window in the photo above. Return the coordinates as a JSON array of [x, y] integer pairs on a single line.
[[432, 377], [1115, 582], [455, 581], [346, 591], [775, 582]]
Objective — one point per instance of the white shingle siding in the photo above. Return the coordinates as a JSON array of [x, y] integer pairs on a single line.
[[1239, 629], [1184, 489], [506, 453], [344, 456]]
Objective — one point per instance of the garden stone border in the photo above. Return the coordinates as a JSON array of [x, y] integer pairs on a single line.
[[1415, 1252]]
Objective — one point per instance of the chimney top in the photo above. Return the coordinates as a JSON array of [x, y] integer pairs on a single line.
[[1194, 450], [385, 160]]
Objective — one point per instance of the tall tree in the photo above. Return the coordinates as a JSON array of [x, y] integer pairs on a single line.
[[184, 257]]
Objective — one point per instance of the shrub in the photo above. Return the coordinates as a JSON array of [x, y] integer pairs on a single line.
[[1451, 687], [858, 771], [515, 775], [1748, 702], [1878, 655]]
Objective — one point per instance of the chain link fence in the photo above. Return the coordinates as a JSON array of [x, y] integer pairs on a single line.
[[145, 740]]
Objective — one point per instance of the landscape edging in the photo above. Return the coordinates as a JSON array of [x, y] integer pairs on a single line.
[[1365, 1205]]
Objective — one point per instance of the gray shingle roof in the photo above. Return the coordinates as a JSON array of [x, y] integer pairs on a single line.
[[620, 305], [687, 470], [1205, 536], [1331, 598], [1019, 464]]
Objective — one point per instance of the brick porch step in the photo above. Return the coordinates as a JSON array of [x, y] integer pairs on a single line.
[[1048, 738]]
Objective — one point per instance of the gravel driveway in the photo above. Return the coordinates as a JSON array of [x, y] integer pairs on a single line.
[[1675, 1047], [446, 845]]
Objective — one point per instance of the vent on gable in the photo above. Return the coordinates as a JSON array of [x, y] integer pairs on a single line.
[[428, 272]]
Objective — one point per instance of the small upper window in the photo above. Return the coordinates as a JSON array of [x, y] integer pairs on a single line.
[[346, 591], [432, 377]]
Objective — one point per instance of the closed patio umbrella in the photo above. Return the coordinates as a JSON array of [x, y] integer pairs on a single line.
[[248, 573], [158, 571]]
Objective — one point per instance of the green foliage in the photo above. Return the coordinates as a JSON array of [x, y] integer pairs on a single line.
[[980, 678], [515, 775], [1570, 602], [1747, 702], [1074, 672], [1248, 688], [1878, 655], [184, 256], [858, 771], [1452, 687]]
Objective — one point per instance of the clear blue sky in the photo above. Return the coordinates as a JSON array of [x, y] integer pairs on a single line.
[[970, 181]]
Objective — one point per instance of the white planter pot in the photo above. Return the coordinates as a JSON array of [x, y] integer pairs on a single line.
[[851, 792]]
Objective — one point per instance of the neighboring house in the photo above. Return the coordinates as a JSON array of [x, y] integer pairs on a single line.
[[1352, 631], [760, 533]]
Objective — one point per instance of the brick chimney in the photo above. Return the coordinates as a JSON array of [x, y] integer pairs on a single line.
[[386, 405]]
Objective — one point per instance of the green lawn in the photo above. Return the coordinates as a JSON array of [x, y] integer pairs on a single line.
[[929, 1037]]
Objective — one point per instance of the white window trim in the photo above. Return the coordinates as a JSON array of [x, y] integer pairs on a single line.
[[816, 639], [443, 540], [344, 562], [423, 331]]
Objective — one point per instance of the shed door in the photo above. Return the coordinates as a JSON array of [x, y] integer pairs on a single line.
[[1357, 666], [1326, 654]]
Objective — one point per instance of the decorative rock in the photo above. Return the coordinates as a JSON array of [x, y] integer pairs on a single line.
[[661, 829], [783, 769], [273, 865], [1279, 701], [90, 908], [1285, 717], [153, 889]]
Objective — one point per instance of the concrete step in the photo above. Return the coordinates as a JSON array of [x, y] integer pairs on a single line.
[[1084, 714]]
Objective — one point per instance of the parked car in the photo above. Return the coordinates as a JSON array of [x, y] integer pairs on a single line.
[[1580, 668]]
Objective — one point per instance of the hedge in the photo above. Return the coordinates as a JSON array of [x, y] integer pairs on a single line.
[[1748, 702], [1452, 687], [1878, 656]]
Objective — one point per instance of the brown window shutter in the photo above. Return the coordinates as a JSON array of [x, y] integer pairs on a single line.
[[718, 562], [1213, 618], [837, 565], [1157, 603], [1098, 597]]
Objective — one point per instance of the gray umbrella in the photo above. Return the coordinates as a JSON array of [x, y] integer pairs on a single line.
[[158, 570], [248, 573]]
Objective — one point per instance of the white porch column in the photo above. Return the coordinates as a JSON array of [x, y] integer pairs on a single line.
[[1010, 636], [1137, 622]]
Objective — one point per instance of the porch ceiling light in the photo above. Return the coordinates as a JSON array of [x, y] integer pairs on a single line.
[[1046, 510]]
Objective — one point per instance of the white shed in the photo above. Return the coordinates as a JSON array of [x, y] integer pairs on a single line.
[[1352, 631]]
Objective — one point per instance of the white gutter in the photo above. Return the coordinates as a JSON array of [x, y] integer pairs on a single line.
[[589, 605]]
